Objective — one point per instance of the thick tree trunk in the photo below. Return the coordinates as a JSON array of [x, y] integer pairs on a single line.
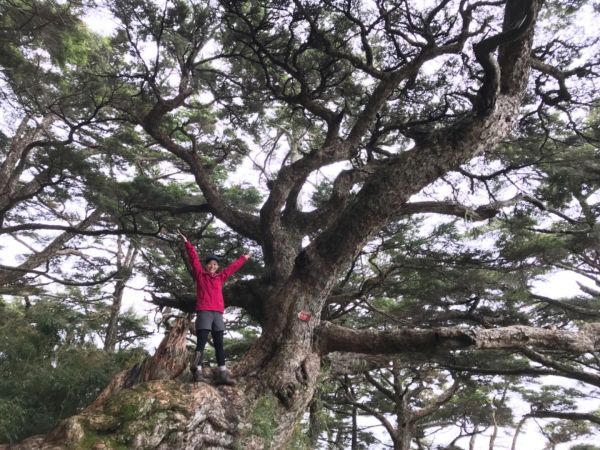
[[403, 438], [168, 362], [167, 414], [405, 425], [156, 405]]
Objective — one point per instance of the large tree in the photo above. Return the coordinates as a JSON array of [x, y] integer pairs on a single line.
[[391, 100]]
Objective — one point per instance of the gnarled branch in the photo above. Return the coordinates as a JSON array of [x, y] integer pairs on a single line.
[[337, 338]]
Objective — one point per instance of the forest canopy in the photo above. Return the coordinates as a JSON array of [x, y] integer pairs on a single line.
[[410, 177]]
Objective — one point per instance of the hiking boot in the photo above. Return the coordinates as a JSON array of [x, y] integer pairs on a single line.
[[224, 377], [198, 376], [196, 368], [196, 361]]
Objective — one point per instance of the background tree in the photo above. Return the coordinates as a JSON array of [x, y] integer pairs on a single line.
[[50, 367]]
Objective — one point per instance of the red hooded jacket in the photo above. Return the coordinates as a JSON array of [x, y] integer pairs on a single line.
[[209, 287]]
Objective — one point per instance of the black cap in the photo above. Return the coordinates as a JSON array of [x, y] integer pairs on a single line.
[[210, 258]]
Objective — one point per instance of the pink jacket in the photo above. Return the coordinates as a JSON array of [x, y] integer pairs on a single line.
[[209, 288]]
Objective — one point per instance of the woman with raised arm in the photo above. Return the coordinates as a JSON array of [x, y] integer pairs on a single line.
[[209, 308]]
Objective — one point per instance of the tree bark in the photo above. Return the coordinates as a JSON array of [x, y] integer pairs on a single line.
[[168, 362], [9, 275], [473, 439], [404, 438], [159, 392], [23, 142], [494, 429], [354, 442], [333, 338], [124, 268]]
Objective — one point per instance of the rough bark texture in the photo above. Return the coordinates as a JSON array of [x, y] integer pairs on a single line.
[[155, 405], [157, 414], [124, 269], [168, 362], [335, 338]]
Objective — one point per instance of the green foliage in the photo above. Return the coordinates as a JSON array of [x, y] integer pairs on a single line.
[[92, 439], [48, 368], [554, 398], [299, 439], [245, 198], [27, 22], [263, 419], [262, 423], [13, 418], [566, 431]]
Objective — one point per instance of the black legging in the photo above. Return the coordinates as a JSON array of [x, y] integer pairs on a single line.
[[202, 338]]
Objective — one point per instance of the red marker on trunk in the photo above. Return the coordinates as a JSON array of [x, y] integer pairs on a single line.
[[304, 316]]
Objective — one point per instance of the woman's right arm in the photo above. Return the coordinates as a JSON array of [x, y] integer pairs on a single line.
[[192, 255]]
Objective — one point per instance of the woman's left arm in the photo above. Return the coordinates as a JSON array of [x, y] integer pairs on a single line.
[[235, 266]]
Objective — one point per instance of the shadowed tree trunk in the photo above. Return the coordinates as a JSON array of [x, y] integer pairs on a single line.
[[354, 429], [125, 264]]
